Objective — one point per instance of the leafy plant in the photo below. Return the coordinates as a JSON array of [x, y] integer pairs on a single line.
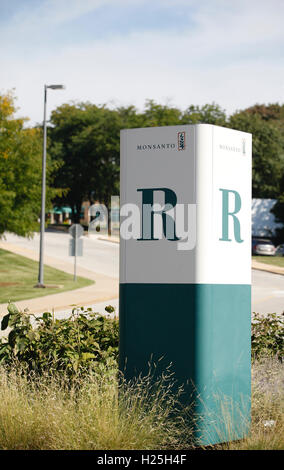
[[267, 337], [84, 341], [20, 171]]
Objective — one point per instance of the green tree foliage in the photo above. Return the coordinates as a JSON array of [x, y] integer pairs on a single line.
[[20, 171], [273, 114], [157, 115], [278, 211], [267, 152], [207, 114], [163, 115], [85, 141]]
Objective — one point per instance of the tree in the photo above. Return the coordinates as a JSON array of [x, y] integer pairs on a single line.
[[267, 152], [273, 114], [162, 115], [278, 211], [207, 114], [159, 115], [85, 140], [20, 171]]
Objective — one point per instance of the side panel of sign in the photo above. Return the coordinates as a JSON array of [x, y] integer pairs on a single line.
[[158, 167]]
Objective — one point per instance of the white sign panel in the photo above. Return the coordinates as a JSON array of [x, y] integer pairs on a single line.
[[185, 205]]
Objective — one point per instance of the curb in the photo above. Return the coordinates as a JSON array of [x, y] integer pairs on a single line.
[[105, 239], [267, 267]]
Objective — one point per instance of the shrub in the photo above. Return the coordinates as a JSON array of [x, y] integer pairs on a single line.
[[267, 337], [88, 340], [84, 341]]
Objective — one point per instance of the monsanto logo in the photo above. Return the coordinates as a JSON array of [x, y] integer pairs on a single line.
[[181, 140], [244, 146]]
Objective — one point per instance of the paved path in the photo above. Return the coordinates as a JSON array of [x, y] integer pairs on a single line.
[[104, 289]]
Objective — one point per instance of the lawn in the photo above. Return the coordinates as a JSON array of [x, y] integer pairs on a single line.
[[18, 276], [274, 260]]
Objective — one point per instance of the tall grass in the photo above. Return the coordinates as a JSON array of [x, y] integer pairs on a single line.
[[92, 413], [267, 411], [100, 412]]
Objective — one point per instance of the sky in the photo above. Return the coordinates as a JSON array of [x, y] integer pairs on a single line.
[[124, 52]]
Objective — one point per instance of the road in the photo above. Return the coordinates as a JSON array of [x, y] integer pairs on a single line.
[[267, 292], [103, 257], [98, 256]]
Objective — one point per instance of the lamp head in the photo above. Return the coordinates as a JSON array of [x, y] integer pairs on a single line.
[[55, 87]]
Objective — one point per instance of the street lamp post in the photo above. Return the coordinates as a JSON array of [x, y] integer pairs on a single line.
[[43, 188]]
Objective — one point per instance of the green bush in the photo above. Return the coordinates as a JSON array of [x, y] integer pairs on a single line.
[[89, 341], [84, 341], [267, 337]]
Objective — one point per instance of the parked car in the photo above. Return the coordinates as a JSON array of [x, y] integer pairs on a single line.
[[279, 250], [261, 246]]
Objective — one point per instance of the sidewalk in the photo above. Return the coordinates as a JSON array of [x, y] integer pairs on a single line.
[[267, 267], [104, 289], [108, 239]]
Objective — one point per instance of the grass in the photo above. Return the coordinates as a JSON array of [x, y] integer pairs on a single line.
[[267, 413], [92, 414], [96, 413], [18, 276], [274, 260]]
